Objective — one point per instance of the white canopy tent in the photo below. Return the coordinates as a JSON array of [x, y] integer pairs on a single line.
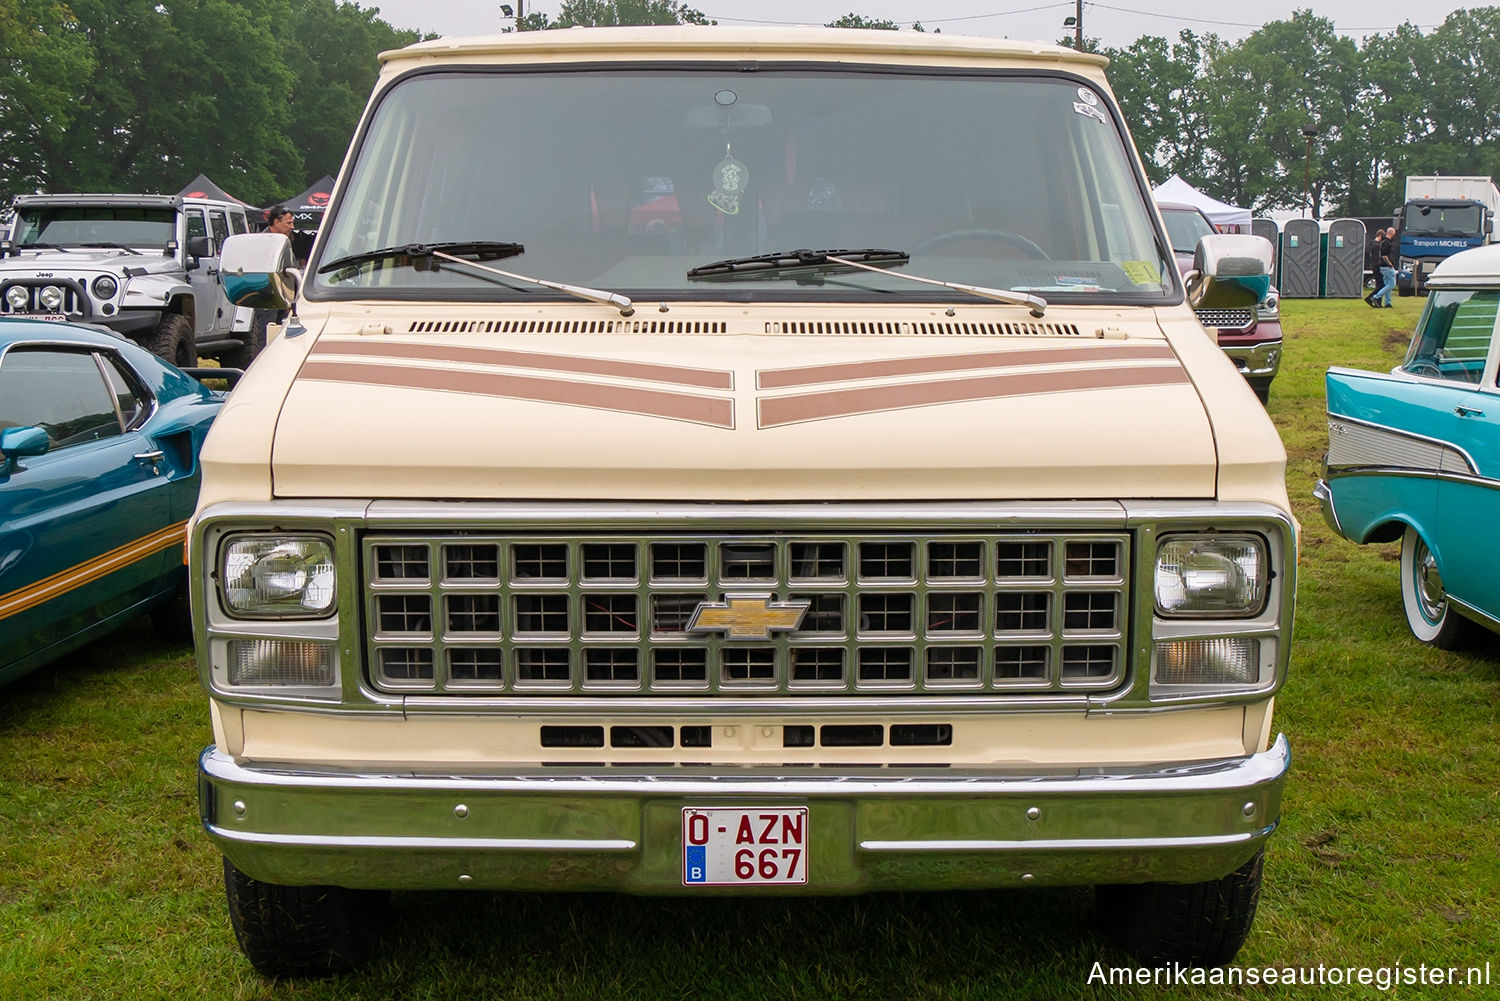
[[1221, 214]]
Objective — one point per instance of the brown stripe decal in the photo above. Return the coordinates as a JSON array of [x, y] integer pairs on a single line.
[[673, 374], [847, 402], [814, 374], [62, 582], [649, 402]]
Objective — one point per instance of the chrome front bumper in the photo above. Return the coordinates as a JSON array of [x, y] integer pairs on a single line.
[[1256, 359], [619, 828]]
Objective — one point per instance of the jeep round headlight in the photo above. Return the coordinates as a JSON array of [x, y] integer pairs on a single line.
[[1219, 576], [105, 287], [51, 298], [18, 296], [278, 576]]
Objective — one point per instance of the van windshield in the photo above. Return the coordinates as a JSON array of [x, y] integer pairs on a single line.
[[626, 179]]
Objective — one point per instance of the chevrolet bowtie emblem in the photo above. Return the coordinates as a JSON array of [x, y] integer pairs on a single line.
[[752, 617]]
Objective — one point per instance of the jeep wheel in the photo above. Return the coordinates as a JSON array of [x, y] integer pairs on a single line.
[[302, 931], [1429, 613], [173, 340], [1197, 924], [255, 340]]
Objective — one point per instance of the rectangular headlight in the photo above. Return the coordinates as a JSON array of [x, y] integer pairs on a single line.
[[1211, 576], [278, 576]]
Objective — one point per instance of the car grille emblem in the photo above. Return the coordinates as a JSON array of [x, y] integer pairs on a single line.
[[748, 617]]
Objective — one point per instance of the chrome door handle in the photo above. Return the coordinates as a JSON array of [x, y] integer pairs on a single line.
[[1463, 411], [154, 456]]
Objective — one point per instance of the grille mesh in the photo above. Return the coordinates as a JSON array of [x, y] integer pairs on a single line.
[[1226, 319], [1024, 612]]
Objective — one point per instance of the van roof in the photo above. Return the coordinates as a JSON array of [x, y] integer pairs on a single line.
[[712, 41]]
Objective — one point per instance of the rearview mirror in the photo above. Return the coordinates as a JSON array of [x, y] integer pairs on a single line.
[[1230, 271], [256, 269]]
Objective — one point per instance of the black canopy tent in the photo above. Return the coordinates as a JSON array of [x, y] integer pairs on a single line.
[[202, 187], [308, 207]]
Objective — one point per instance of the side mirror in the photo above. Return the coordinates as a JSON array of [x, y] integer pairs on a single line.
[[1232, 271], [18, 443], [256, 269], [200, 246]]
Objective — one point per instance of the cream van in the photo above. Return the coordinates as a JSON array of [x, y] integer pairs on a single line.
[[734, 461]]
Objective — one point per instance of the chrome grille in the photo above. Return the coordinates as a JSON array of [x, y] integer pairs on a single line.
[[1226, 319], [1015, 612]]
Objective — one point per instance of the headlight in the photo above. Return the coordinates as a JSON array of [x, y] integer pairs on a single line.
[[105, 287], [52, 298], [289, 576], [1219, 576], [1271, 303], [18, 296]]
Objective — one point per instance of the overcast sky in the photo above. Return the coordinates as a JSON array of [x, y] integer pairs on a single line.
[[1116, 24]]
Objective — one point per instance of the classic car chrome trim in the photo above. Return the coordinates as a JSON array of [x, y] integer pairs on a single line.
[[1478, 615], [1358, 444], [295, 824], [1324, 496]]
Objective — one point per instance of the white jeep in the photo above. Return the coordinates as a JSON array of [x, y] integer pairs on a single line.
[[145, 266]]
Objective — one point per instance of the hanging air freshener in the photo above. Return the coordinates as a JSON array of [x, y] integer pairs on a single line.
[[730, 179]]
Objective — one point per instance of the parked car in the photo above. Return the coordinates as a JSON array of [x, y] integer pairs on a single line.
[[1415, 455], [99, 443], [1251, 335], [146, 266]]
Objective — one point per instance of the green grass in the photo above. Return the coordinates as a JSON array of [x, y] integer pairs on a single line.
[[1387, 852]]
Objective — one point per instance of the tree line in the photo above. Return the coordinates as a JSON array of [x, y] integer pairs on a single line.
[[263, 96]]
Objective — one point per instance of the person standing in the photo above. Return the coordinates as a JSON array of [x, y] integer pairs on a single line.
[[278, 221], [1386, 260]]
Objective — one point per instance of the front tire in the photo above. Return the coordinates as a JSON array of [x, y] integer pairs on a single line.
[[173, 340], [303, 931], [1429, 614], [1196, 924]]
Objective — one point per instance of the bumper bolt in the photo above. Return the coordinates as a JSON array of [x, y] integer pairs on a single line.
[[1027, 877], [460, 811], [465, 879], [239, 808], [1248, 809], [1034, 814]]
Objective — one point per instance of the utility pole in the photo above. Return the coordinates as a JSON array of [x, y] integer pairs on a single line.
[[1078, 27]]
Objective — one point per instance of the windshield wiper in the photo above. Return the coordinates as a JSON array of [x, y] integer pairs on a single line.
[[797, 259], [412, 253], [113, 246], [40, 246], [856, 259], [424, 257]]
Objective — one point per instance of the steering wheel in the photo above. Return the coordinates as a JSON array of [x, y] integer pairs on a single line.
[[1008, 237]]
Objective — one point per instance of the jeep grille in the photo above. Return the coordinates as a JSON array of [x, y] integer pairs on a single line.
[[894, 614], [73, 303]]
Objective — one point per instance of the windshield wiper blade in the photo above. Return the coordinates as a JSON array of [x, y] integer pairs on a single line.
[[113, 246], [412, 253], [603, 298], [860, 259], [797, 259], [39, 246]]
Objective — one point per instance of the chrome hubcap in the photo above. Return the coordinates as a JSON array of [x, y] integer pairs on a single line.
[[1429, 583]]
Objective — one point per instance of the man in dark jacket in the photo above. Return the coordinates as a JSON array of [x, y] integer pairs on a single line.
[[1386, 261]]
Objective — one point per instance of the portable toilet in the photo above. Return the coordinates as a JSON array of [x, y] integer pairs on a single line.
[[1268, 228], [1301, 256], [1344, 259]]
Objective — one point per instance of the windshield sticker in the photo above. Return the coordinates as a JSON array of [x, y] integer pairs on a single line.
[[1088, 110], [1088, 97], [1141, 272]]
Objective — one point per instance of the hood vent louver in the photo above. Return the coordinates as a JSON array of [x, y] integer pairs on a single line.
[[938, 329], [567, 327]]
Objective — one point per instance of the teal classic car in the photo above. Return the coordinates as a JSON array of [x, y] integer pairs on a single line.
[[99, 443], [1415, 455]]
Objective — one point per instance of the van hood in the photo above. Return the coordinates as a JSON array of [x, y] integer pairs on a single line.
[[468, 412]]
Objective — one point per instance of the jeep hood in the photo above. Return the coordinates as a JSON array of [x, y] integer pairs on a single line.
[[726, 416], [92, 260]]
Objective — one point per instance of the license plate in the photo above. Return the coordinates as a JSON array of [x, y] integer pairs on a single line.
[[53, 317], [749, 846]]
